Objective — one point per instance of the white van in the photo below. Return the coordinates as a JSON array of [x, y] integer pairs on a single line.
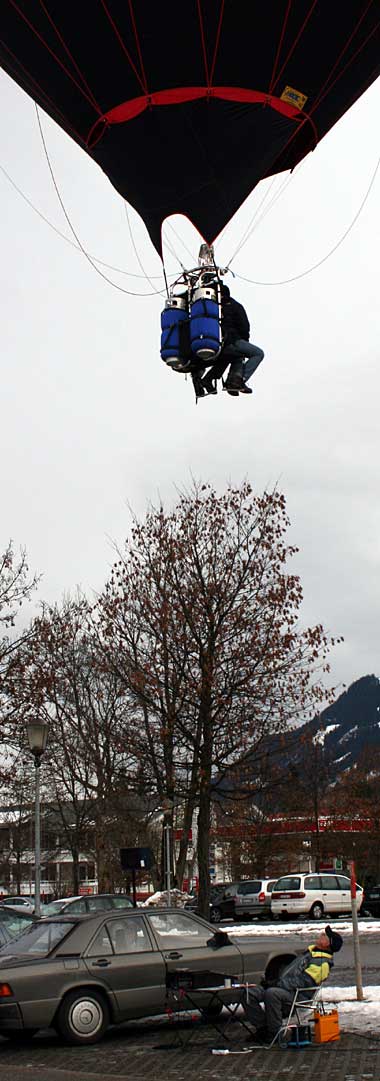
[[313, 895]]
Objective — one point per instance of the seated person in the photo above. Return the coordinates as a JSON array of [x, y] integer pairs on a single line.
[[237, 347], [266, 1007]]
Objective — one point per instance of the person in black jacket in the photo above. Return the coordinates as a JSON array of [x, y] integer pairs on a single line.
[[266, 1006], [243, 356]]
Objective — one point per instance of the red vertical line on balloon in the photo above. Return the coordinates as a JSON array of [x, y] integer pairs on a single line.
[[123, 46], [320, 94], [69, 54], [137, 40], [46, 101], [327, 91], [217, 40], [360, 48], [295, 42], [279, 47], [203, 43], [54, 56]]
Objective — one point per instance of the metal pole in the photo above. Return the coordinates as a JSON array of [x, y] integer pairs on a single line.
[[355, 932], [37, 841], [167, 860]]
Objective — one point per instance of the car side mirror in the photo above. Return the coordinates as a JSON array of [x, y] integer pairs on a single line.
[[219, 939]]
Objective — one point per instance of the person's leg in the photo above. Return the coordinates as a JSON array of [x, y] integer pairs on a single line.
[[277, 1004], [254, 357], [217, 370], [251, 1003]]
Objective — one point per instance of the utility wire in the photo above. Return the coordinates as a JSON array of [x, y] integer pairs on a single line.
[[109, 281], [296, 277]]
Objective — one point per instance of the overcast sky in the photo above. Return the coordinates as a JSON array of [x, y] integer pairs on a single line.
[[93, 421]]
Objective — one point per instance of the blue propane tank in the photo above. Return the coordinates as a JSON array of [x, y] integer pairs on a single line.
[[205, 329], [173, 331]]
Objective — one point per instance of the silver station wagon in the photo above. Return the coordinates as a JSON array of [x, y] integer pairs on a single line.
[[81, 974]]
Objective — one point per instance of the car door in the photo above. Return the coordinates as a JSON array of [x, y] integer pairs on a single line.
[[124, 956], [187, 943], [331, 895], [344, 886]]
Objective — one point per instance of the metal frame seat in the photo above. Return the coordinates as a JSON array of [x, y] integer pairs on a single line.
[[301, 1012]]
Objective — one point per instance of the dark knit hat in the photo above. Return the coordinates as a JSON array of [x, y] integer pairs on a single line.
[[336, 941]]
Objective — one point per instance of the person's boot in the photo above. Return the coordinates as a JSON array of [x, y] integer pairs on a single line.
[[198, 386], [236, 383], [209, 384], [230, 390], [245, 389]]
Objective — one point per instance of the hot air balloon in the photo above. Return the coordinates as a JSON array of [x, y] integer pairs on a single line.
[[186, 107]]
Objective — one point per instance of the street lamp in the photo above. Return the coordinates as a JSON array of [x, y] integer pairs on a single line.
[[37, 739], [167, 807]]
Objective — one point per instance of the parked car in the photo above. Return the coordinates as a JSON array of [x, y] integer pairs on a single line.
[[79, 974], [250, 897], [313, 895], [18, 902], [371, 901], [241, 900], [14, 920], [92, 902], [216, 894]]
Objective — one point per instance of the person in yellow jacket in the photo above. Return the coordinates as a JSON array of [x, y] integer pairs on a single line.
[[266, 1007]]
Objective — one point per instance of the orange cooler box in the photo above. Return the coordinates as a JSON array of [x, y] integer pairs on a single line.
[[326, 1026]]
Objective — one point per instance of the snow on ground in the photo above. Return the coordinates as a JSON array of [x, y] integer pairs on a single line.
[[354, 1016], [313, 929]]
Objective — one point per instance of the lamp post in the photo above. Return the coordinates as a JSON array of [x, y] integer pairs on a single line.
[[37, 739], [167, 807]]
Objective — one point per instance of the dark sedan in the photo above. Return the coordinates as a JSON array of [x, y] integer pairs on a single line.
[[81, 974], [371, 901]]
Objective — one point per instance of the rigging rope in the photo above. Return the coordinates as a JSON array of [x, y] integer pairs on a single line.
[[137, 254], [109, 281], [304, 273], [67, 239]]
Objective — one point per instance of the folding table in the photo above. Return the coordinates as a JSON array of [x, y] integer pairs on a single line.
[[182, 1000]]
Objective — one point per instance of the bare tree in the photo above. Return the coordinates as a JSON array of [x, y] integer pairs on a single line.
[[16, 587], [199, 621], [59, 679]]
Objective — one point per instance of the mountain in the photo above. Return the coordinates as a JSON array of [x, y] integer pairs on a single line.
[[350, 726]]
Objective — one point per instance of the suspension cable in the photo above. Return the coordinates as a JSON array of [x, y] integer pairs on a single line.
[[296, 277], [67, 239], [135, 249], [109, 281]]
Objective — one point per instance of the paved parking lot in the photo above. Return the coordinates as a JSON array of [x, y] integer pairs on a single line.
[[145, 1052]]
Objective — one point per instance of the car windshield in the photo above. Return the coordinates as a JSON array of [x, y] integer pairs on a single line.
[[40, 939], [15, 921], [291, 882], [53, 908]]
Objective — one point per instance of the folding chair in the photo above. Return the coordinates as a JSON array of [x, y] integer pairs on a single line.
[[301, 1015]]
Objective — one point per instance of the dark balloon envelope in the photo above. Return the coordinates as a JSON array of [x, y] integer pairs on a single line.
[[187, 106]]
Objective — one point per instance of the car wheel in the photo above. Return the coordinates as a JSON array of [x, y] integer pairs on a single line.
[[215, 915], [83, 1017], [22, 1036], [211, 1013], [317, 911]]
